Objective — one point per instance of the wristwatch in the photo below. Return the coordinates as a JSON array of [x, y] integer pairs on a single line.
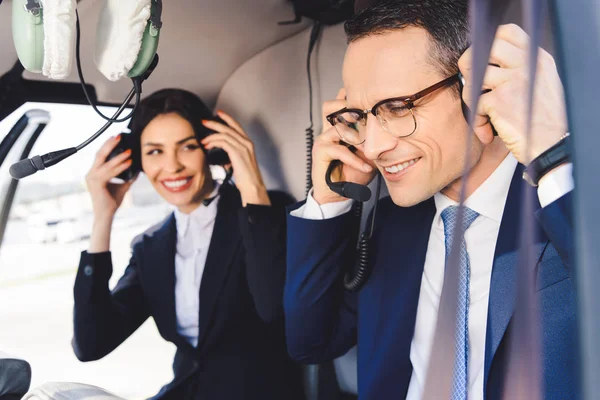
[[556, 155]]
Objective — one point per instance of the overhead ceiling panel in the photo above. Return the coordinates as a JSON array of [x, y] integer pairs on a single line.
[[202, 43]]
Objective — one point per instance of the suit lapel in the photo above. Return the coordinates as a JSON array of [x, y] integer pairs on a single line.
[[224, 241], [400, 247], [504, 271], [160, 254]]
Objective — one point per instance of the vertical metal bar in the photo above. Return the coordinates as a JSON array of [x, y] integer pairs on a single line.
[[576, 25], [523, 377], [485, 18], [311, 382]]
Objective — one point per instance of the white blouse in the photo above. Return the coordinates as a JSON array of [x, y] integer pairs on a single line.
[[194, 232]]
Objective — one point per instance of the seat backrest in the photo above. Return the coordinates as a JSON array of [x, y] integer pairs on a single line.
[[15, 376], [269, 96], [69, 391]]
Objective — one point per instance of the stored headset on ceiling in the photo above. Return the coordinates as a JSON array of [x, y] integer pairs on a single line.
[[126, 44], [355, 279]]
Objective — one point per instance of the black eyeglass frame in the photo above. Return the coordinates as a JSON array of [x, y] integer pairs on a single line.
[[408, 100]]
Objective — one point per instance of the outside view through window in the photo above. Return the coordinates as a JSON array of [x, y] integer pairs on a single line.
[[48, 227]]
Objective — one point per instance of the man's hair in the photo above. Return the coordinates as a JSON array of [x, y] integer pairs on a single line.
[[446, 22]]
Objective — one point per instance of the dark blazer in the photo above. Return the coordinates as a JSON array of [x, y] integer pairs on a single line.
[[324, 322], [241, 352]]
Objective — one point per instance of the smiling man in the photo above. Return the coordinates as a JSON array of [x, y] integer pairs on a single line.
[[401, 108]]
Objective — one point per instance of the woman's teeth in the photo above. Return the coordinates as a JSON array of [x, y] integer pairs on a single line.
[[176, 184], [397, 168]]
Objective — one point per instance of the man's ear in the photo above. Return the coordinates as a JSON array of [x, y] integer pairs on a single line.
[[483, 130]]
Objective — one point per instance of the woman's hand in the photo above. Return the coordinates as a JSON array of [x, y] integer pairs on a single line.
[[240, 149], [106, 196]]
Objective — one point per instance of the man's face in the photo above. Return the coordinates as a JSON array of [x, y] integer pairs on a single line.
[[396, 64]]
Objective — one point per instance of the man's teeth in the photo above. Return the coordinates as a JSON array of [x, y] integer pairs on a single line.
[[176, 184], [397, 168]]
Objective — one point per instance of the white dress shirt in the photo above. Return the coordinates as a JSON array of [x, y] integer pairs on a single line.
[[194, 231], [488, 200]]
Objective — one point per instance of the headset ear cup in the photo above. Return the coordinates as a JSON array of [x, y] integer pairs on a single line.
[[147, 51], [119, 37], [136, 166], [136, 155], [217, 156], [59, 37], [149, 41], [28, 35]]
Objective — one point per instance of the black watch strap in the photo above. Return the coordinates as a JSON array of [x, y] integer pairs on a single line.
[[556, 155]]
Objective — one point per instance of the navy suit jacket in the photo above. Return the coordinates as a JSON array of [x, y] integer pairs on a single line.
[[323, 321], [241, 352]]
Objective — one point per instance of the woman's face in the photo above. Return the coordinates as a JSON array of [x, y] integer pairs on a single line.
[[174, 162]]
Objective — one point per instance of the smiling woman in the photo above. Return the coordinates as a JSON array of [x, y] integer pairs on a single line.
[[175, 163], [204, 274]]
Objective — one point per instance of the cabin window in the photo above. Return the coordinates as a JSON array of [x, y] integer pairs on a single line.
[[48, 226]]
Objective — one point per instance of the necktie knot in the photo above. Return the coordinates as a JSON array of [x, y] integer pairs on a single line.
[[450, 219]]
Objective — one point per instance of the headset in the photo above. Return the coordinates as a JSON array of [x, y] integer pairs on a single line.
[[355, 279], [127, 36], [45, 33]]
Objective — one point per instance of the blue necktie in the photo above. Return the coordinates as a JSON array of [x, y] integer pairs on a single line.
[[461, 357]]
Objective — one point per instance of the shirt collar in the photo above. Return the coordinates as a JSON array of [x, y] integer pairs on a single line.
[[489, 198], [202, 215]]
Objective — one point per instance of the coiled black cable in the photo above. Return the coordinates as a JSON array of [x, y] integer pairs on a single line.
[[357, 208], [310, 137], [358, 276], [354, 281], [310, 141]]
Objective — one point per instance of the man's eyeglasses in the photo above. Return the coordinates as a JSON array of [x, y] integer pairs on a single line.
[[395, 115]]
